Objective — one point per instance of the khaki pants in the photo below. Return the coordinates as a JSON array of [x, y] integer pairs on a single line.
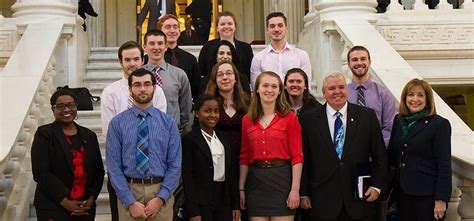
[[144, 193]]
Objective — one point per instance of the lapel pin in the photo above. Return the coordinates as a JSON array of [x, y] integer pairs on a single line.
[[426, 121], [352, 119]]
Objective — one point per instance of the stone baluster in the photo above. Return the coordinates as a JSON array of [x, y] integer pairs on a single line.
[[444, 5], [311, 15], [467, 4], [465, 208], [420, 5], [394, 7], [452, 211]]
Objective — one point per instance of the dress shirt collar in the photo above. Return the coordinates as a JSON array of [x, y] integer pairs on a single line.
[[150, 111], [124, 81], [366, 85], [332, 112], [163, 65], [287, 47]]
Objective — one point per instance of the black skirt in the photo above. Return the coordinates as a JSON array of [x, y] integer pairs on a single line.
[[267, 191]]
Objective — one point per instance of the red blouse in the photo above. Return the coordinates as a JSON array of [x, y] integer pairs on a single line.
[[280, 140]]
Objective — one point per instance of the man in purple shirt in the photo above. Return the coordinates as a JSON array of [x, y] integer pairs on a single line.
[[365, 92]]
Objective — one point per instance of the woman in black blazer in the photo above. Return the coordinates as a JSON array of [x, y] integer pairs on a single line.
[[297, 92], [226, 27], [66, 164], [209, 176], [420, 150]]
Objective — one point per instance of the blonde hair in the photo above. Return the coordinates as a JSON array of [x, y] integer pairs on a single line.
[[281, 105], [430, 104]]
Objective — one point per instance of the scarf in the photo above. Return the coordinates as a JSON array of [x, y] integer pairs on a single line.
[[408, 122]]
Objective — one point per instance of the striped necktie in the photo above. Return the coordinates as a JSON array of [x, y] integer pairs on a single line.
[[143, 162], [360, 96], [338, 135], [130, 101], [156, 72]]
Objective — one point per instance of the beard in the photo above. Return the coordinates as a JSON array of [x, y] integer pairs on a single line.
[[139, 99]]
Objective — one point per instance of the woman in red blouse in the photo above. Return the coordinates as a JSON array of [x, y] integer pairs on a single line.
[[271, 155]]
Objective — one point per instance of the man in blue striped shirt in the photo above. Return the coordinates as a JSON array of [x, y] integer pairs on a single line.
[[144, 167]]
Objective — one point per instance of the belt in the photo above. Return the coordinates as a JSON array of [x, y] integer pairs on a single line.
[[146, 180], [270, 163]]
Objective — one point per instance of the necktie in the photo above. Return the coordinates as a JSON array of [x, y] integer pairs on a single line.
[[143, 162], [360, 96], [156, 72], [338, 135], [174, 59], [130, 101]]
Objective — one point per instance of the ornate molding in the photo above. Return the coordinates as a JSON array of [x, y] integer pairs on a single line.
[[429, 37], [7, 42]]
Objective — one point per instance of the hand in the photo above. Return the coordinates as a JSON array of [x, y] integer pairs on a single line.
[[137, 210], [242, 200], [235, 215], [439, 209], [293, 200], [195, 218], [71, 205], [371, 194], [305, 202], [153, 207]]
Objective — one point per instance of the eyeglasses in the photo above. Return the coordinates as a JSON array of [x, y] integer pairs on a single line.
[[139, 86], [60, 106], [227, 73]]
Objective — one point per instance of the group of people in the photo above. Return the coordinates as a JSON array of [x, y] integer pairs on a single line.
[[261, 147]]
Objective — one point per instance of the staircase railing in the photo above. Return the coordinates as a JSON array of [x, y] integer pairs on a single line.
[[328, 37], [26, 84]]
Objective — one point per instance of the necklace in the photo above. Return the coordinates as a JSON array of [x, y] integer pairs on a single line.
[[266, 121]]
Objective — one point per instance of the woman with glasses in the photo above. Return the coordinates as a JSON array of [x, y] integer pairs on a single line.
[[271, 158], [66, 164]]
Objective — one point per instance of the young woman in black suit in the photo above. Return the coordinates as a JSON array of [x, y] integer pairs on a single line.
[[66, 164], [420, 150], [209, 176], [226, 27], [297, 92]]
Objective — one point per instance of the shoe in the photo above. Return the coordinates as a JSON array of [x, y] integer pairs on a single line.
[[87, 8]]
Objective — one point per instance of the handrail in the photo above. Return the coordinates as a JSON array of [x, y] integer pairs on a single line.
[[26, 84]]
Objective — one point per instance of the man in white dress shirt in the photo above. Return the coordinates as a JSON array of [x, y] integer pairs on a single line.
[[279, 56], [116, 98]]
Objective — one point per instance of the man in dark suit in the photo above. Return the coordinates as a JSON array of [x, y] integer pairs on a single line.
[[155, 8], [188, 36], [339, 139]]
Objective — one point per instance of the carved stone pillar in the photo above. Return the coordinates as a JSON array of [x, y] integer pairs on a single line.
[[34, 11], [294, 12], [360, 6], [467, 201]]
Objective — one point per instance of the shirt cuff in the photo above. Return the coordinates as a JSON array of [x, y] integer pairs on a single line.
[[164, 194], [129, 200], [376, 189]]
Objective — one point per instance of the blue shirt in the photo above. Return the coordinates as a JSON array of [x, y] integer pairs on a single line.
[[380, 100], [164, 152]]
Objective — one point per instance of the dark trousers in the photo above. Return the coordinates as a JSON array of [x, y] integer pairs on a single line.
[[203, 28], [344, 216], [217, 210], [112, 201], [415, 208], [63, 215]]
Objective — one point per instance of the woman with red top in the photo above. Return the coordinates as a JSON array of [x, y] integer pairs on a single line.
[[271, 156], [66, 164]]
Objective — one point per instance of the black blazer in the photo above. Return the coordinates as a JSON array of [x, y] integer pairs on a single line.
[[244, 52], [51, 163], [330, 182], [423, 162], [198, 173]]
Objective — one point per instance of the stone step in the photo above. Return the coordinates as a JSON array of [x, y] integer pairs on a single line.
[[104, 77]]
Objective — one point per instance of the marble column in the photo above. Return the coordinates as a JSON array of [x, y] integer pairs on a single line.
[[294, 12]]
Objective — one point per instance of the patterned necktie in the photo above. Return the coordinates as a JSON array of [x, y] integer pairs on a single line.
[[174, 59], [360, 96], [130, 101], [143, 162], [338, 135], [156, 72]]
